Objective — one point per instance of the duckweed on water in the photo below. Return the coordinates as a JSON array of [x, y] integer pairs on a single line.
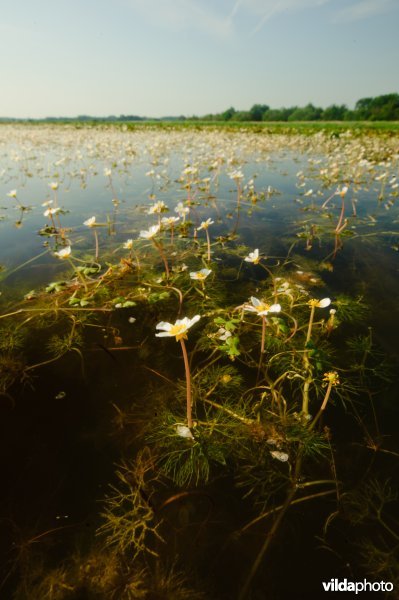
[[275, 379]]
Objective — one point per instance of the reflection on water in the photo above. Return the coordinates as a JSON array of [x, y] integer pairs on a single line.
[[285, 247]]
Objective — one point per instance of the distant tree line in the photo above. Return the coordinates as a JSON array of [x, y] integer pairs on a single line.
[[380, 108]]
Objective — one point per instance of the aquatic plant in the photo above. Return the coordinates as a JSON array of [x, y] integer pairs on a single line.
[[313, 303], [179, 331], [252, 414], [130, 524], [205, 226]]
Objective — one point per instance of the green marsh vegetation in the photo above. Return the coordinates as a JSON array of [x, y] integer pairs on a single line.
[[207, 333]]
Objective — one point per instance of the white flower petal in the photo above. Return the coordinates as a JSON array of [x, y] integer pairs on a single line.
[[275, 308], [324, 303], [184, 431], [164, 325], [282, 456]]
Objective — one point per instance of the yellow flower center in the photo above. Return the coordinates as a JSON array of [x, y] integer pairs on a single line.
[[331, 377], [313, 302], [262, 307], [179, 331]]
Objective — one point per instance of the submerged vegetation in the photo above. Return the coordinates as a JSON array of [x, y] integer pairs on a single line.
[[264, 402]]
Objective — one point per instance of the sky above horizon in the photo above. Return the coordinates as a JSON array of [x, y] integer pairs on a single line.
[[184, 57]]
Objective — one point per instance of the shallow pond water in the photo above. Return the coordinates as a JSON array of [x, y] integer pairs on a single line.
[[266, 439]]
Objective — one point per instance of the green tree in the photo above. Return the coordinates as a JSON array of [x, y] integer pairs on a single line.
[[278, 114], [379, 108], [242, 115], [228, 115], [334, 112], [257, 111], [307, 113]]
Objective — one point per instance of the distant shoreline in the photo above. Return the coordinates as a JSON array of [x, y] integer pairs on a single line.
[[309, 127]]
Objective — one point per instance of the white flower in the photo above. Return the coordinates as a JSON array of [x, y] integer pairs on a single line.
[[190, 171], [320, 303], [54, 185], [262, 308], [158, 207], [107, 172], [47, 203], [179, 329], [150, 233], [342, 191], [128, 245], [284, 287], [12, 194], [131, 320], [51, 211], [253, 257], [222, 334], [184, 431], [90, 222], [64, 253], [236, 175], [282, 456], [182, 210], [169, 221], [324, 303], [380, 177], [200, 275], [205, 224]]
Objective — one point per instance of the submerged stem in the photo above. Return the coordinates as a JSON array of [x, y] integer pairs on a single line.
[[208, 241], [96, 241], [271, 534], [188, 383], [79, 274], [306, 364], [262, 347], [164, 259]]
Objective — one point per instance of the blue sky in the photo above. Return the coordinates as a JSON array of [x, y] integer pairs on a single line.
[[171, 57]]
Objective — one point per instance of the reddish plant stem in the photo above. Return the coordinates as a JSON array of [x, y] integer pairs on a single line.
[[262, 347], [188, 383], [162, 255]]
